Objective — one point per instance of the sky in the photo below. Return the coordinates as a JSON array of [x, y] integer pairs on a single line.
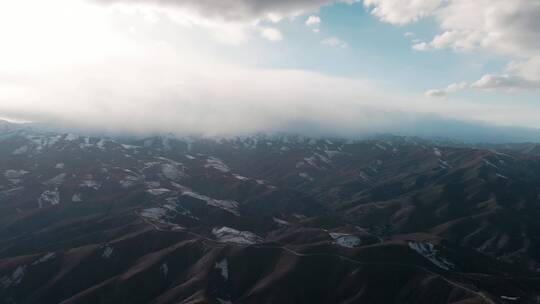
[[239, 66]]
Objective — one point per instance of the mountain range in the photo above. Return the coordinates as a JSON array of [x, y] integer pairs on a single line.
[[267, 218]]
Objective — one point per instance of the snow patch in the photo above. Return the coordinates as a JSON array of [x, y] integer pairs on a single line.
[[101, 144], [152, 184], [217, 164], [57, 180], [71, 137], [364, 176], [346, 240], [281, 222], [159, 214], [428, 251], [89, 182], [312, 162], [487, 162], [76, 198], [45, 258], [107, 252], [501, 176], [174, 206], [158, 192], [14, 176], [129, 180], [507, 298], [171, 172], [380, 147], [129, 147], [10, 174], [227, 205], [14, 279], [240, 177], [51, 197], [20, 150], [164, 268], [223, 266], [155, 213], [230, 235], [332, 153], [444, 164], [85, 143], [306, 176], [148, 165], [323, 158]]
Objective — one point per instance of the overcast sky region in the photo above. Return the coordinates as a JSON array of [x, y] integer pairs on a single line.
[[238, 66]]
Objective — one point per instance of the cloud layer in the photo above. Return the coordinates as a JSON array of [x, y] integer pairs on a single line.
[[505, 81], [334, 42], [140, 66], [452, 88], [244, 10], [401, 12], [96, 74]]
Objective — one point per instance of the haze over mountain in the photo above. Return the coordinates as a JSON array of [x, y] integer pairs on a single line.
[[427, 127], [259, 66]]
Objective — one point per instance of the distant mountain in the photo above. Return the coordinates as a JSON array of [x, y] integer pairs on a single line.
[[430, 127], [266, 219]]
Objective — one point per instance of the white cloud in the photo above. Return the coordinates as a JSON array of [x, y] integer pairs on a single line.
[[456, 87], [458, 40], [501, 26], [505, 82], [91, 70], [509, 28], [238, 10], [96, 73], [401, 12], [436, 93], [506, 27], [334, 42], [271, 34], [528, 69], [489, 82], [452, 88], [313, 20], [229, 21]]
